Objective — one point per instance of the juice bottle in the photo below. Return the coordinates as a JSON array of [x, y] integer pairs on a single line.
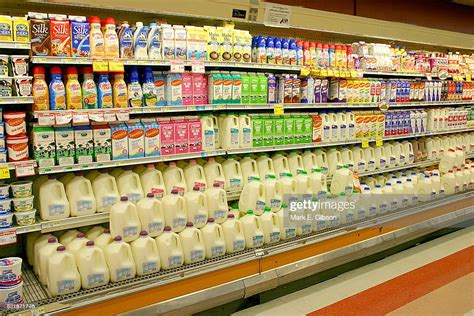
[[40, 90], [111, 42], [96, 38], [104, 92], [73, 90], [89, 89], [119, 89], [57, 92]]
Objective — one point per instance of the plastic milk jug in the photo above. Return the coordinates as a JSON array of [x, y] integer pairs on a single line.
[[436, 182], [169, 248], [295, 162], [424, 189], [369, 154], [322, 160], [30, 243], [380, 157], [91, 175], [310, 161], [68, 236], [232, 174], [129, 184], [360, 161], [214, 173], [37, 245], [348, 158], [196, 205], [94, 232], [342, 181], [253, 197], [174, 209], [343, 126], [252, 227], [379, 198], [116, 172], [286, 231], [208, 138], [230, 132], [392, 158], [233, 234], [214, 241], [334, 160], [273, 193], [303, 186], [92, 266], [280, 163], [288, 187], [62, 275], [43, 255], [447, 161], [119, 258], [270, 226], [217, 131], [151, 215], [105, 191], [53, 202], [80, 195], [76, 244], [460, 156], [152, 181], [174, 179], [249, 169], [326, 135], [265, 166], [192, 243], [400, 153], [318, 183], [103, 240], [145, 254], [217, 203], [194, 175], [245, 133], [431, 149], [124, 220], [409, 154]]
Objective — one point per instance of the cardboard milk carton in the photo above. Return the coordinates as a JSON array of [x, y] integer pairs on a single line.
[[102, 142], [65, 150], [167, 143], [152, 137], [119, 141], [136, 139], [44, 146], [84, 144]]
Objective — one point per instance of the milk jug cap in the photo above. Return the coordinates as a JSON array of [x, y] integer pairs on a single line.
[[106, 231], [196, 188], [192, 161], [408, 180], [427, 176], [267, 209], [61, 248], [317, 170], [270, 176], [211, 220], [342, 194], [150, 195], [80, 235], [124, 198], [229, 216], [51, 177], [399, 182], [250, 212], [103, 171], [284, 206], [143, 233], [363, 183], [216, 185], [377, 185], [150, 166], [388, 184], [118, 238], [78, 174], [189, 224], [174, 191], [51, 240], [90, 243], [167, 229], [366, 189]]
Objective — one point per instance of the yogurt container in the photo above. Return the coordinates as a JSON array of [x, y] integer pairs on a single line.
[[25, 218], [4, 191], [22, 86], [17, 148], [6, 220], [3, 65], [15, 124], [23, 204], [12, 295], [10, 272], [21, 188], [20, 64], [5, 206]]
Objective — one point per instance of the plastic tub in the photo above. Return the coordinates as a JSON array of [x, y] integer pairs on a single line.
[[10, 271], [23, 204], [22, 188], [5, 206], [12, 295], [4, 191], [6, 220], [25, 218]]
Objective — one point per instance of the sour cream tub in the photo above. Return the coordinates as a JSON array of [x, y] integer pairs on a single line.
[[12, 295], [10, 271], [5, 206], [4, 191], [15, 124], [22, 188], [6, 220], [25, 218], [23, 204]]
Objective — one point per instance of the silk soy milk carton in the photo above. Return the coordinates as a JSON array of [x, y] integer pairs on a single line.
[[119, 141], [65, 150], [152, 137], [44, 146], [84, 144], [102, 142], [136, 139]]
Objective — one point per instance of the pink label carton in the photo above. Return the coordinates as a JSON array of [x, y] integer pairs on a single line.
[[187, 88], [152, 137], [181, 138], [166, 136], [195, 134], [136, 139], [199, 89]]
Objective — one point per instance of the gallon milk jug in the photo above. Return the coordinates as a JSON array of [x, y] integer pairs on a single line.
[[270, 226], [103, 240], [252, 227], [152, 181], [310, 161], [380, 199], [424, 189], [348, 158], [265, 166], [281, 166], [233, 234], [129, 185], [37, 245], [460, 156], [119, 258], [232, 174], [94, 232], [409, 154], [217, 203], [431, 148], [208, 138], [105, 191], [174, 179], [37, 183], [303, 186], [288, 188], [318, 183], [92, 266], [460, 178], [216, 131], [342, 181], [214, 241], [80, 195], [151, 215], [138, 169], [174, 209], [169, 248], [334, 160], [67, 177], [335, 127], [194, 175], [360, 161], [436, 182], [230, 132], [343, 126], [192, 243], [196, 207], [253, 197], [326, 126], [249, 169], [68, 236], [245, 133], [295, 162], [214, 173], [447, 161], [392, 159], [44, 253], [145, 254], [62, 275], [369, 154], [322, 160], [77, 244], [400, 153], [53, 202], [273, 193], [116, 172], [380, 157], [287, 230], [124, 220], [30, 243], [92, 174]]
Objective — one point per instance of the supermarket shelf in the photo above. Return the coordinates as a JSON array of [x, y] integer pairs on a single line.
[[12, 165], [16, 100], [398, 73], [14, 45]]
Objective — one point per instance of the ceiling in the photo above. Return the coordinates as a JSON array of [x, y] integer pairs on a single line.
[[465, 2]]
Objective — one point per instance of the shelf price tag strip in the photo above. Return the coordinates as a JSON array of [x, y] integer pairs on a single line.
[[116, 66], [176, 66], [7, 236], [46, 119], [25, 169], [278, 109], [198, 67], [100, 66], [4, 171]]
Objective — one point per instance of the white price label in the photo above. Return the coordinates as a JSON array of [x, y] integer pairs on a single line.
[[198, 67], [7, 236], [46, 119], [63, 118], [97, 116], [80, 117], [177, 66], [25, 169], [109, 116], [123, 115]]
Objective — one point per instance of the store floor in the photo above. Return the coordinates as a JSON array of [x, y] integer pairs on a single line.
[[434, 278]]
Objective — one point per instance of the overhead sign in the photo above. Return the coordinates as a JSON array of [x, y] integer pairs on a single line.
[[277, 15]]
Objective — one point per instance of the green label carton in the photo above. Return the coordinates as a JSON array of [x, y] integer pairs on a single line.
[[289, 130], [268, 131], [44, 146], [299, 129], [65, 145], [257, 126], [253, 88], [279, 130], [308, 129]]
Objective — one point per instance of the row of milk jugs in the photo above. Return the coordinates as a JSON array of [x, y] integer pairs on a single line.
[[226, 131], [442, 119], [435, 146]]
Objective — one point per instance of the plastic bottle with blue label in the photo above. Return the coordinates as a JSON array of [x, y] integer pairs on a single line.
[[140, 37], [135, 92], [125, 36], [299, 53], [292, 52], [270, 47], [154, 42], [57, 90], [285, 51], [104, 92]]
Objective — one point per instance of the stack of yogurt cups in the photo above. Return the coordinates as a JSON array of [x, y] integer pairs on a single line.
[[22, 200], [11, 284]]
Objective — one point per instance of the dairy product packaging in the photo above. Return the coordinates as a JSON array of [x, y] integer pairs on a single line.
[[152, 137], [136, 139], [65, 149], [102, 142], [119, 141], [44, 146], [80, 31], [167, 136], [181, 136], [84, 144]]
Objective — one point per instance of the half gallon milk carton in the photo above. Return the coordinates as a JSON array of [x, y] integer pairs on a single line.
[[181, 136], [136, 139], [84, 144], [44, 146], [119, 141], [167, 136], [187, 88], [174, 89], [152, 137], [194, 134], [64, 145], [102, 142]]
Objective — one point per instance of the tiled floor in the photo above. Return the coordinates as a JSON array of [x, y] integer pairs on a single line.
[[344, 288]]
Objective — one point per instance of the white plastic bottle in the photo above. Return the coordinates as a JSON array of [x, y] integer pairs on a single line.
[[192, 243], [424, 189], [217, 131], [232, 174], [265, 167], [318, 183], [273, 193], [124, 220], [360, 160], [214, 241], [295, 162], [334, 160], [105, 191], [349, 160], [280, 163], [208, 137], [43, 255], [249, 169], [217, 203], [194, 175], [310, 161], [145, 254], [151, 216], [92, 266], [270, 226], [80, 195], [129, 184], [169, 248], [380, 199], [62, 275], [174, 179], [196, 207], [287, 230], [94, 232], [245, 131], [230, 132], [252, 197], [233, 234], [252, 227], [174, 209], [322, 160], [77, 244], [152, 181], [68, 236], [103, 240], [111, 42], [343, 181], [214, 173], [119, 258]]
